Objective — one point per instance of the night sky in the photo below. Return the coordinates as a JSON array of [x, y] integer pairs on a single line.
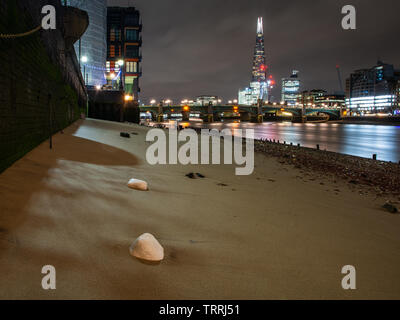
[[196, 47]]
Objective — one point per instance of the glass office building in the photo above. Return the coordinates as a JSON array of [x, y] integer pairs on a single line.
[[91, 50], [373, 90], [291, 89]]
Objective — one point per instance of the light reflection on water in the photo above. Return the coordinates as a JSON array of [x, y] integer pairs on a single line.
[[359, 140]]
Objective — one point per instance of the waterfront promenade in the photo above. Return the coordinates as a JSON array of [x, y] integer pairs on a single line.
[[281, 233]]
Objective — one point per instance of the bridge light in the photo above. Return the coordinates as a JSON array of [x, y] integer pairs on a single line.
[[186, 108]]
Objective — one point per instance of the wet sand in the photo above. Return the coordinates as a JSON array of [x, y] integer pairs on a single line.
[[281, 233]]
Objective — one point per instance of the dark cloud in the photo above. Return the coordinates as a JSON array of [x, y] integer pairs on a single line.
[[193, 47]]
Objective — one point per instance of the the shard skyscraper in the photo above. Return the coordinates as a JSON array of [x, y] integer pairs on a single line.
[[259, 66], [259, 84]]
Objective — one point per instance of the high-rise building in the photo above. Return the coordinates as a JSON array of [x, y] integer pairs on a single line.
[[291, 89], [373, 90], [124, 56], [259, 67], [260, 82], [91, 49]]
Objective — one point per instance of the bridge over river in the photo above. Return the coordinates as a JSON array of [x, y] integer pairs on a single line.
[[254, 113]]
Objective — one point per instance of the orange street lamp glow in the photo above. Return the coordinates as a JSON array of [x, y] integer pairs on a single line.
[[186, 108], [128, 98]]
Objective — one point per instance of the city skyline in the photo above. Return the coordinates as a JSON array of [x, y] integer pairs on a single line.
[[194, 48]]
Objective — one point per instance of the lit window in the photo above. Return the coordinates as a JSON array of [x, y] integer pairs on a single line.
[[115, 34], [112, 51], [131, 67]]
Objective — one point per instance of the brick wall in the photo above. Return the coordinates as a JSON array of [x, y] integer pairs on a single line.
[[41, 88]]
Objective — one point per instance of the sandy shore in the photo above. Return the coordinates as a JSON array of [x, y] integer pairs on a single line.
[[277, 234]]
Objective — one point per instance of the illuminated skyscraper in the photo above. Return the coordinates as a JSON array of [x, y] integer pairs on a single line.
[[259, 67], [260, 84], [91, 50]]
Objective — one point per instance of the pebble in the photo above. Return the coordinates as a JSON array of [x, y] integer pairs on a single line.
[[147, 248], [138, 185]]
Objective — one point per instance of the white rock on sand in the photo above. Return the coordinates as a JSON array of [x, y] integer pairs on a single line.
[[146, 247], [138, 185]]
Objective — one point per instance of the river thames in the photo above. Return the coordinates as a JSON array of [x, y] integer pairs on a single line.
[[355, 139]]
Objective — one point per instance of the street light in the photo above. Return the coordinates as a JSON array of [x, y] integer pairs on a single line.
[[128, 97], [153, 101]]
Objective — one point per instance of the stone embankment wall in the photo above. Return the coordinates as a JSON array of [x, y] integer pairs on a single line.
[[41, 87]]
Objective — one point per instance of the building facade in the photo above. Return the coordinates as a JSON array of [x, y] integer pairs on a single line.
[[291, 89], [124, 43], [374, 90], [260, 82], [309, 98], [91, 50], [206, 100], [318, 98]]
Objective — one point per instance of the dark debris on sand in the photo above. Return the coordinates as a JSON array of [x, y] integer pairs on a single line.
[[192, 175]]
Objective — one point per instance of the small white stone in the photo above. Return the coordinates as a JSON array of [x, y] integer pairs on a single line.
[[138, 185], [146, 247]]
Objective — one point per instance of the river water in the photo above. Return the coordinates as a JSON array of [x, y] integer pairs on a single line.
[[354, 139]]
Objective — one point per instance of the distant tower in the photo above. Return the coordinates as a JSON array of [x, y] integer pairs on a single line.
[[259, 85], [259, 67]]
